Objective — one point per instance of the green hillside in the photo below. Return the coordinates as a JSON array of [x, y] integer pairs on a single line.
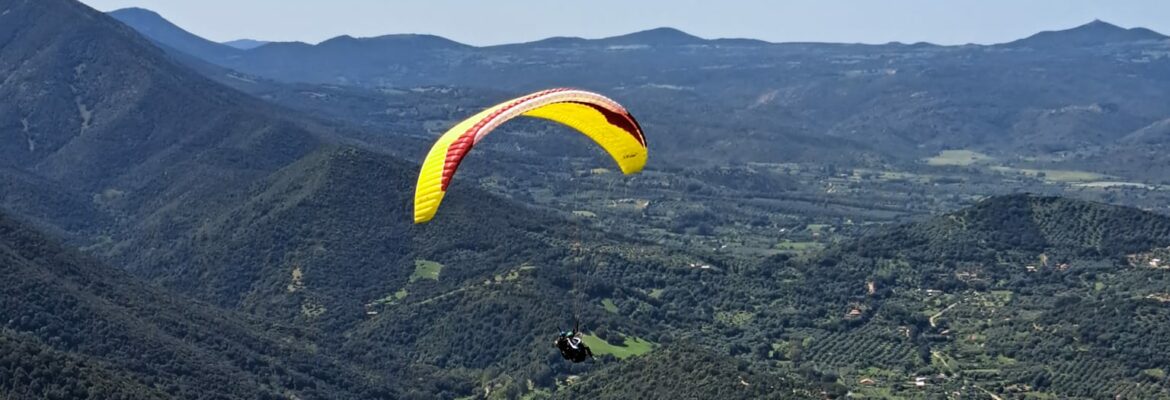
[[96, 330], [686, 371]]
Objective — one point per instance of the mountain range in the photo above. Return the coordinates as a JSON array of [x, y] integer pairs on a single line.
[[165, 235], [1059, 99]]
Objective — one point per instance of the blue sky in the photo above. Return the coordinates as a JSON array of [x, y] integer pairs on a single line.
[[509, 21]]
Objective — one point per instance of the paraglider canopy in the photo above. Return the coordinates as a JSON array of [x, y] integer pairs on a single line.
[[601, 119]]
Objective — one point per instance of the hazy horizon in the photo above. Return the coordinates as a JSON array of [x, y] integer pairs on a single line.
[[909, 21]]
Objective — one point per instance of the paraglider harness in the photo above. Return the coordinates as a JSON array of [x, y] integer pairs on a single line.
[[571, 346]]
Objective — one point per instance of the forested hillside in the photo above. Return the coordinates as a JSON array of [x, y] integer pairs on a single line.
[[79, 329], [686, 371]]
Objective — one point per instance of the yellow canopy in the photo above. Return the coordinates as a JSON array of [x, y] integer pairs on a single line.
[[601, 119]]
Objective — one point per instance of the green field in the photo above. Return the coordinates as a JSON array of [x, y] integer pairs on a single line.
[[633, 347], [392, 298], [788, 245], [958, 157], [609, 306], [968, 158], [424, 269], [1054, 175], [1114, 184], [816, 227]]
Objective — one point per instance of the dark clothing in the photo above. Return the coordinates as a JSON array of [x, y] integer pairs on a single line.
[[572, 348]]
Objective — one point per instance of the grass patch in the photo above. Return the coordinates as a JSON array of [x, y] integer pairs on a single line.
[[1111, 184], [1156, 373], [885, 175], [1054, 175], [510, 276], [788, 245], [958, 157], [634, 346], [391, 298], [584, 214], [816, 227], [424, 269], [655, 293], [609, 306]]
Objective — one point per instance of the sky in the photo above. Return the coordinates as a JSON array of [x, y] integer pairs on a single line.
[[479, 22]]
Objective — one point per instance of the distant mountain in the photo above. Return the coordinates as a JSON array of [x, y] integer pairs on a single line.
[[79, 329], [245, 44], [1047, 96], [122, 111], [1095, 33], [653, 37], [162, 31]]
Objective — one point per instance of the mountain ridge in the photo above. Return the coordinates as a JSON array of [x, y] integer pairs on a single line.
[[859, 105], [147, 21], [245, 44], [1094, 33], [163, 31]]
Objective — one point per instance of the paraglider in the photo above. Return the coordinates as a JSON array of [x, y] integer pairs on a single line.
[[601, 119], [572, 347]]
